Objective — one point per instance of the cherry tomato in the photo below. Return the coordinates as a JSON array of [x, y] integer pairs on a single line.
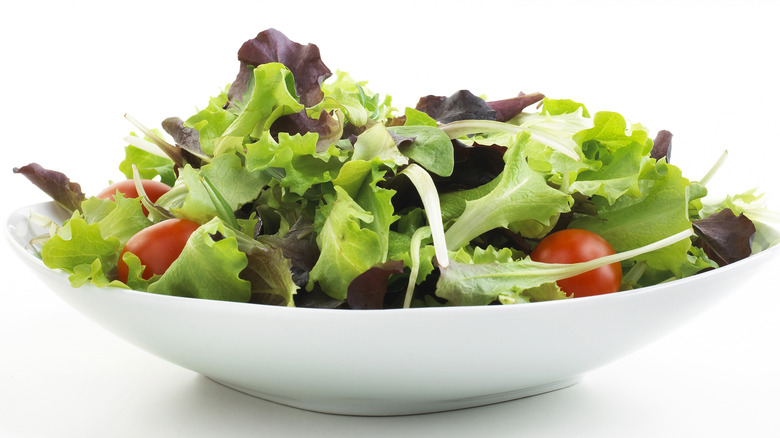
[[573, 246], [157, 246], [154, 189]]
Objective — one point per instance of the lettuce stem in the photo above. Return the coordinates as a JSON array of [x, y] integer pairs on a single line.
[[715, 168], [414, 252], [430, 197], [463, 128]]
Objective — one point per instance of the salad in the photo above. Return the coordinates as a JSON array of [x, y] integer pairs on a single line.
[[298, 186]]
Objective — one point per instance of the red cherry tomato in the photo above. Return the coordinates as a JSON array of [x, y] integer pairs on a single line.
[[154, 189], [157, 246], [573, 246]]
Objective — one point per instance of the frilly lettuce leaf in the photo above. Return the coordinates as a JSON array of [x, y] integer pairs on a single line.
[[121, 218], [90, 242], [208, 267], [610, 131], [294, 161], [272, 97], [78, 243], [359, 180], [556, 107], [520, 195], [236, 183], [490, 274], [94, 274], [362, 211], [354, 99], [618, 174], [661, 209], [471, 284], [347, 247]]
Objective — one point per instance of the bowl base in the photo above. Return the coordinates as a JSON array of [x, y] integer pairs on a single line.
[[376, 407]]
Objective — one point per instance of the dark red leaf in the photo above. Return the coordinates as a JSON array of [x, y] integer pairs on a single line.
[[55, 184], [187, 140], [303, 61], [724, 237], [367, 290], [462, 105], [507, 109], [662, 146]]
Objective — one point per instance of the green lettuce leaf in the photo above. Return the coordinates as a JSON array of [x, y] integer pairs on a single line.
[[94, 274], [610, 132], [272, 97], [416, 117], [521, 195], [618, 175], [556, 107], [347, 248], [212, 121], [121, 218], [148, 159], [353, 98], [294, 160], [189, 197], [208, 267], [631, 222], [430, 147], [376, 143], [473, 284], [79, 243], [235, 182], [359, 180]]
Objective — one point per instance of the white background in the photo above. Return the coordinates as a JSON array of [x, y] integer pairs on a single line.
[[705, 71]]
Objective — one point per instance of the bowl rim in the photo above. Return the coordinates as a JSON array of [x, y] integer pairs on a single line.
[[38, 263]]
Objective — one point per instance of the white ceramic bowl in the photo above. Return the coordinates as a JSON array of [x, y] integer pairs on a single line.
[[390, 362]]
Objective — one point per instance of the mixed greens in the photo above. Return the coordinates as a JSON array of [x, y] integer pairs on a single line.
[[313, 191]]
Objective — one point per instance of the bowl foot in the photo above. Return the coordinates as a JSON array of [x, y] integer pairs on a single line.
[[376, 406]]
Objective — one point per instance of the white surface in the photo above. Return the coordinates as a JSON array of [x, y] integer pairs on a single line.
[[706, 71]]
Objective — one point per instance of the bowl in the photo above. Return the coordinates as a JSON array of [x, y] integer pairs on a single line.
[[395, 361]]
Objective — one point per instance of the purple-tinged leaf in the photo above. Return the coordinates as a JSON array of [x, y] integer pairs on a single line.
[[186, 138], [240, 85], [177, 154], [401, 140], [506, 109], [462, 105], [55, 184], [724, 237], [662, 146], [328, 128], [367, 290], [303, 61]]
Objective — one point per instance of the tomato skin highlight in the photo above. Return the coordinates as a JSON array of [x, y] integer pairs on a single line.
[[574, 246], [157, 246]]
